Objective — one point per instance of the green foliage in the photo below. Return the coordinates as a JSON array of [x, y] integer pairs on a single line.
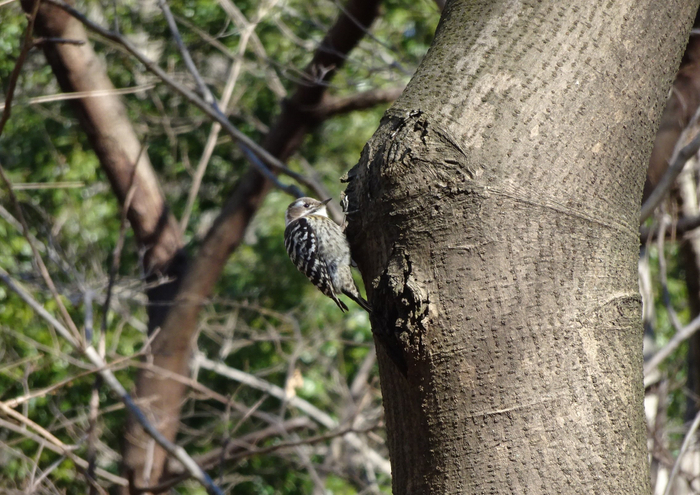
[[263, 305]]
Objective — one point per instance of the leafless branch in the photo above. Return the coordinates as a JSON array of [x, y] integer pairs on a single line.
[[356, 442], [689, 437], [60, 449], [680, 228], [246, 32], [116, 254], [679, 337], [187, 58], [75, 334], [108, 376], [359, 101], [65, 449], [41, 41], [263, 158], [239, 446]]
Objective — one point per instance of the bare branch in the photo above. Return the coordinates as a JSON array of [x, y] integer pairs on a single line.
[[246, 33], [189, 63], [677, 163], [60, 449], [689, 437], [241, 447], [102, 368], [331, 107], [265, 158], [356, 442], [678, 338]]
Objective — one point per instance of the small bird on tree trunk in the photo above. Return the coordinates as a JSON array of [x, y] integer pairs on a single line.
[[320, 250]]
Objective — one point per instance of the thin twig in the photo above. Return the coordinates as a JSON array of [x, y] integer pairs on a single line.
[[252, 381], [66, 450], [76, 337], [77, 95], [272, 79], [242, 448], [64, 41], [663, 274], [80, 462], [265, 158], [681, 336], [94, 404], [187, 58], [117, 253], [246, 33], [58, 326], [682, 333], [689, 437], [94, 357]]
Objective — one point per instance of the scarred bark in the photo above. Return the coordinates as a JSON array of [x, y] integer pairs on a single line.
[[172, 347], [497, 233]]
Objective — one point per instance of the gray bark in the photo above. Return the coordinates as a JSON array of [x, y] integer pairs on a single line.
[[494, 217]]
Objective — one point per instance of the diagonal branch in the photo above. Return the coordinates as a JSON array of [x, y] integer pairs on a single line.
[[108, 376], [212, 111], [680, 157], [14, 75], [171, 349]]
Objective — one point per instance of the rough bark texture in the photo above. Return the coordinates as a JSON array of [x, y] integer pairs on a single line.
[[172, 348], [497, 234]]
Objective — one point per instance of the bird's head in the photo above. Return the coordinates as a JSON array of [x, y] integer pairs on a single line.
[[303, 207]]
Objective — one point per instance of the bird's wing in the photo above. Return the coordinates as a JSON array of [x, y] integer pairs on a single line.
[[303, 248]]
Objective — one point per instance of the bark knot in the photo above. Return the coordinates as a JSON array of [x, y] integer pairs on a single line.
[[406, 310]]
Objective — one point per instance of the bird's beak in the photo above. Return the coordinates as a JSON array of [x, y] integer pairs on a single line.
[[326, 201]]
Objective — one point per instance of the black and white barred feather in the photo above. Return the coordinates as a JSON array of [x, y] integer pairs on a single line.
[[319, 249]]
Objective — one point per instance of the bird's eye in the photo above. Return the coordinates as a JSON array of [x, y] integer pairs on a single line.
[[306, 205]]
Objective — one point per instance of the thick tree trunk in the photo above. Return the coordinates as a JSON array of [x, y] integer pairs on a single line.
[[496, 229]]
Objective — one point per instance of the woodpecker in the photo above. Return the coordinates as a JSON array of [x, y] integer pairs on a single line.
[[319, 249]]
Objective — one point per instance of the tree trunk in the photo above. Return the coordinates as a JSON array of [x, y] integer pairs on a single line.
[[78, 69], [496, 228]]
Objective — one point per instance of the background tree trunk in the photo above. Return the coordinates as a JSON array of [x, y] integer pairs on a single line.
[[172, 348], [104, 120], [497, 233]]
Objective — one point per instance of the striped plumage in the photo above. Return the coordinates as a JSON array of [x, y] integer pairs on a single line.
[[319, 249]]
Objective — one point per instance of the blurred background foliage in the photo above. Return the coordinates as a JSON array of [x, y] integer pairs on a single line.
[[265, 318]]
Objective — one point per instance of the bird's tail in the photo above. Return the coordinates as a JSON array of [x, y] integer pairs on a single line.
[[358, 299]]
